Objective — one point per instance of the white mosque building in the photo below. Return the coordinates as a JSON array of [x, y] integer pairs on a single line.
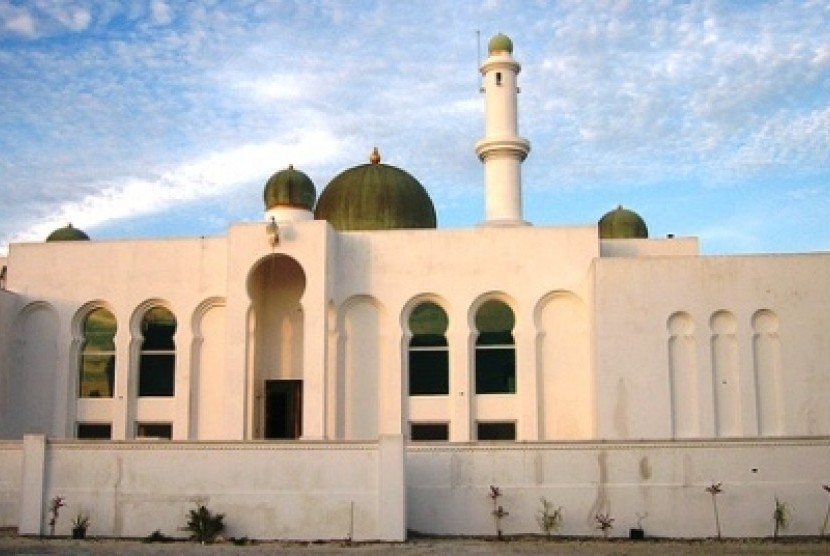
[[347, 339]]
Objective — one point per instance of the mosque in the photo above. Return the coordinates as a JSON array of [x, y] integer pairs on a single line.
[[349, 316]]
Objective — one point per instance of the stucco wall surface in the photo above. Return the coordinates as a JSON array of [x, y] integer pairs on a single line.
[[11, 458], [725, 368], [448, 486], [266, 490]]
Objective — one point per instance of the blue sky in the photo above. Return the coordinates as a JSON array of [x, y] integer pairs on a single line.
[[160, 118]]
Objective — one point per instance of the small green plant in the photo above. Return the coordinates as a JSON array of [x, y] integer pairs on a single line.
[[714, 489], [204, 526], [604, 523], [157, 536], [55, 506], [498, 512], [780, 516], [549, 519], [80, 523], [826, 489]]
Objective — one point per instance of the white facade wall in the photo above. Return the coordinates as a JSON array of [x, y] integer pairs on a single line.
[[705, 358], [441, 266], [786, 387], [58, 283]]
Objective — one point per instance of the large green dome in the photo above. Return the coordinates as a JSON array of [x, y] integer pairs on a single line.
[[622, 223], [289, 188], [68, 233], [375, 196]]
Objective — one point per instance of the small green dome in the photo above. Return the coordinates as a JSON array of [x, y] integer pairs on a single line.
[[500, 43], [289, 188], [375, 196], [68, 233], [622, 223]]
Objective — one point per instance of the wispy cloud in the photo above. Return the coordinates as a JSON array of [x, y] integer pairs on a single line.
[[103, 101], [211, 176]]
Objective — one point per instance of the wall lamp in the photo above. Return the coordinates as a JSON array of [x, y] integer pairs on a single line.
[[273, 232]]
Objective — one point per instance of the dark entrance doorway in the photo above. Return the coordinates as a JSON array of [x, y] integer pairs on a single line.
[[283, 408]]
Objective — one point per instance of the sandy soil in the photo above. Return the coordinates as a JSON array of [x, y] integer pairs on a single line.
[[10, 544]]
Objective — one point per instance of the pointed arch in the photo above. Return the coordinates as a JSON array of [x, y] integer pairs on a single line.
[[93, 353], [566, 388], [33, 372], [726, 373], [153, 326], [424, 321], [361, 323], [683, 375], [492, 318], [766, 353], [207, 386]]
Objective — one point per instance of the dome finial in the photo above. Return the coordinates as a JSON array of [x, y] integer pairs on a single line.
[[374, 158]]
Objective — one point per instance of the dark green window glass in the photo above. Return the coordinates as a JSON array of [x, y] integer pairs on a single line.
[[429, 431], [97, 365], [95, 431], [429, 361], [157, 365], [162, 431], [495, 354], [496, 431]]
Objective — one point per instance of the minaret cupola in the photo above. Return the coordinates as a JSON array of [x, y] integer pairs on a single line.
[[289, 196], [502, 150]]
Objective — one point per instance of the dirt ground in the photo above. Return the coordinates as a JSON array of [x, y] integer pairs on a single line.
[[11, 544]]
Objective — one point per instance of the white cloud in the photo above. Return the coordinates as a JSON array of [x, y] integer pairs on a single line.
[[18, 21], [210, 176], [161, 12]]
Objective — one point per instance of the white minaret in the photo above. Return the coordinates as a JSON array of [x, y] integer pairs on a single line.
[[502, 150]]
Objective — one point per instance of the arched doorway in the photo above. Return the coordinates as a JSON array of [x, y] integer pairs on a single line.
[[275, 286]]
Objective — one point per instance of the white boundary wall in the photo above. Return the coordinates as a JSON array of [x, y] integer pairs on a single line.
[[448, 486], [11, 468], [267, 490], [311, 490]]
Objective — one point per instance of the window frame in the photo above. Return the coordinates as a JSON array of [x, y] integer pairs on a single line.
[[422, 378], [413, 425], [81, 424], [87, 355], [488, 342], [147, 387], [143, 424], [493, 425]]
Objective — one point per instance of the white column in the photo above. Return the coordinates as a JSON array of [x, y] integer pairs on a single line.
[[502, 150], [32, 488]]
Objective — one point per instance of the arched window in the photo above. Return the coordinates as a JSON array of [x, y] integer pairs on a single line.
[[495, 349], [97, 365], [157, 366], [429, 362]]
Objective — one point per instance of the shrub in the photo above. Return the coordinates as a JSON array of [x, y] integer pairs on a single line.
[[204, 526]]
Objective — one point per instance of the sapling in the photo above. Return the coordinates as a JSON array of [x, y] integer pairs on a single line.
[[604, 523], [827, 513], [204, 526], [781, 517], [55, 506], [714, 489], [549, 519], [499, 512], [80, 523]]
